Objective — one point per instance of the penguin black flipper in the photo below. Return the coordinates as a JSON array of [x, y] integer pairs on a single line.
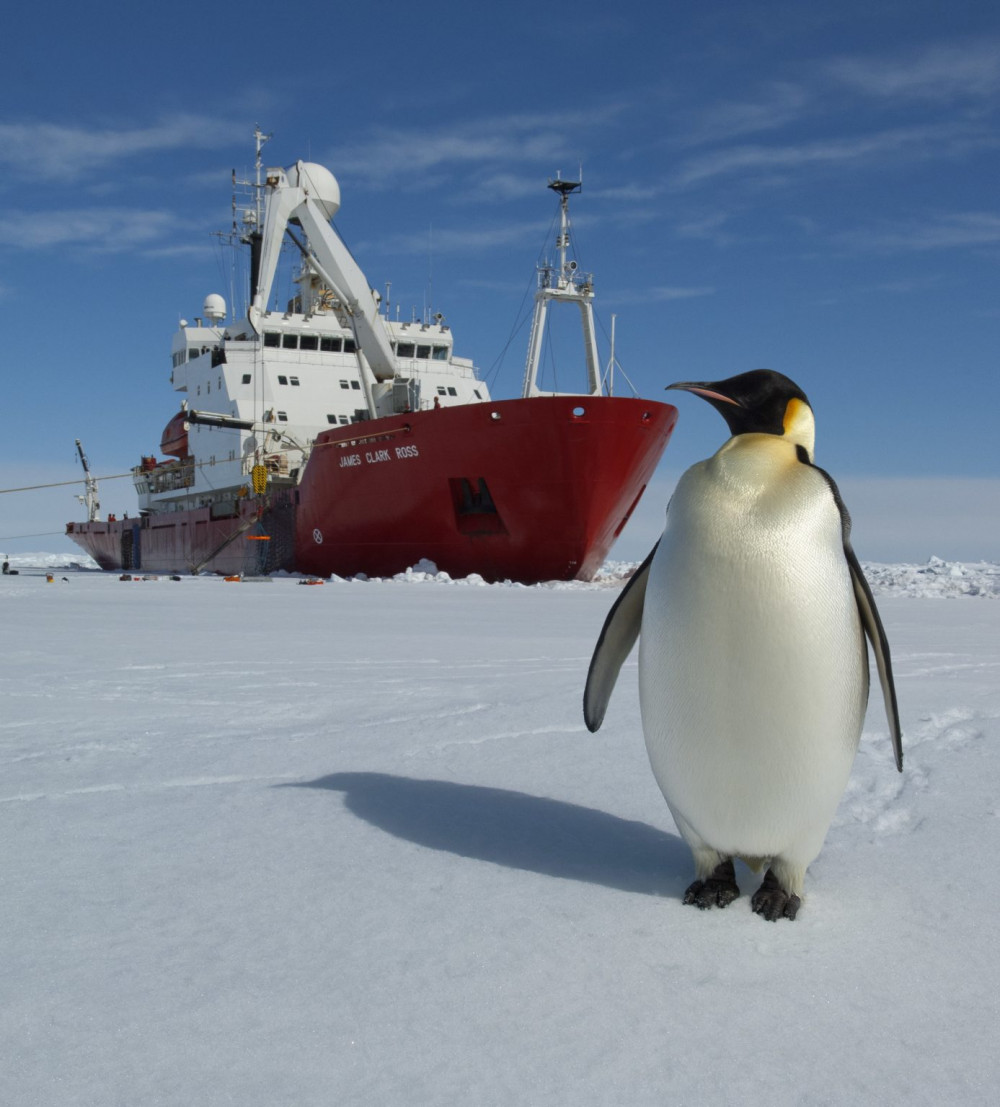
[[870, 618], [872, 623], [618, 636]]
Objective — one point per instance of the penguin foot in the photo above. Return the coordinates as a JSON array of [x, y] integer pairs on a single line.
[[717, 890], [772, 902]]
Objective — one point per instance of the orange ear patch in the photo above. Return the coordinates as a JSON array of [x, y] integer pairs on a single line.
[[798, 425], [795, 411]]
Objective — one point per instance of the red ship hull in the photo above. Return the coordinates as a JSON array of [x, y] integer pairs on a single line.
[[525, 490]]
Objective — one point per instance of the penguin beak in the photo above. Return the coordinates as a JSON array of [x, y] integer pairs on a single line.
[[704, 391]]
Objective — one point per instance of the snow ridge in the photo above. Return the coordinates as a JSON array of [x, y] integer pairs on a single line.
[[936, 579]]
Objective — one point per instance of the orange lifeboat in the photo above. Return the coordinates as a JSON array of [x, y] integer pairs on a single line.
[[174, 440]]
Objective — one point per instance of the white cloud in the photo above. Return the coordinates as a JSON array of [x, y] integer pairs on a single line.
[[893, 144], [710, 227], [957, 230], [896, 519], [677, 293], [478, 144], [942, 73], [52, 151], [107, 228], [780, 103], [455, 241]]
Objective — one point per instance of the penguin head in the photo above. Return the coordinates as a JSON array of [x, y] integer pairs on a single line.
[[759, 402]]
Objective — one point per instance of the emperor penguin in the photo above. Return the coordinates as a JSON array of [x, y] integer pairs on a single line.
[[751, 613]]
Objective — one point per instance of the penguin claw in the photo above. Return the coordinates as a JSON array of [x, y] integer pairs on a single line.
[[772, 902], [718, 890]]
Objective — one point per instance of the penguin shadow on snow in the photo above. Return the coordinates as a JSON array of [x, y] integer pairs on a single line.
[[517, 831]]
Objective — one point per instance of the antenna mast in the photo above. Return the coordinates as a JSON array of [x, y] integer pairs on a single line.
[[562, 284]]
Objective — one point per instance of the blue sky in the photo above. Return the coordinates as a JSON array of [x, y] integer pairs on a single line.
[[805, 186]]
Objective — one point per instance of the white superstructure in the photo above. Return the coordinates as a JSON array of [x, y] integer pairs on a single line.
[[257, 393]]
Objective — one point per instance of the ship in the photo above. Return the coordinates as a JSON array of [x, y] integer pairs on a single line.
[[322, 437]]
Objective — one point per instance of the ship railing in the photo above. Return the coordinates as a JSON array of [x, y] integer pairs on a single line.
[[169, 476]]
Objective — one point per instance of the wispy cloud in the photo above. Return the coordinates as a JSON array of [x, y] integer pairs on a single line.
[[110, 229], [454, 240], [710, 227], [958, 230], [938, 140], [54, 151], [942, 73], [776, 106], [662, 294], [674, 292], [478, 145]]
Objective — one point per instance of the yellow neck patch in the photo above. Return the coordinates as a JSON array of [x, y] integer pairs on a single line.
[[799, 425]]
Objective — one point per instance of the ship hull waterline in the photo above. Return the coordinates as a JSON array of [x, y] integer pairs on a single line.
[[523, 490]]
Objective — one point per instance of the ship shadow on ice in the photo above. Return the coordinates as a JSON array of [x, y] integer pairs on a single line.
[[517, 830]]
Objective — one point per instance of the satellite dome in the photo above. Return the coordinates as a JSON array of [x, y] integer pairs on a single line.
[[214, 307], [321, 185]]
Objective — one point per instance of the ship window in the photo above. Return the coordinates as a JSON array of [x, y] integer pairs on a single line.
[[331, 345], [475, 392], [272, 338], [246, 378], [405, 349], [440, 353], [282, 416], [309, 342], [442, 391], [423, 351], [199, 390], [356, 386], [344, 384], [289, 341], [332, 419], [192, 354], [349, 346], [344, 420], [294, 381], [282, 380], [208, 387], [452, 392]]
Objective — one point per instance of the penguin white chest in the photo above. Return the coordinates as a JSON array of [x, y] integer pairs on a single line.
[[753, 673]]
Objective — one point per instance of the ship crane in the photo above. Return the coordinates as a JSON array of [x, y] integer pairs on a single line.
[[309, 195], [89, 498]]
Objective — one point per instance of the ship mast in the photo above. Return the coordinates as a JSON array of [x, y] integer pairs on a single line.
[[562, 284]]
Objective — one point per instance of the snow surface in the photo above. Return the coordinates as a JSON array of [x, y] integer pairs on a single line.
[[265, 844]]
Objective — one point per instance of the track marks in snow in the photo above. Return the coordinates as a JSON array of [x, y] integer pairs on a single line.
[[532, 732], [879, 797], [184, 782], [952, 729]]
